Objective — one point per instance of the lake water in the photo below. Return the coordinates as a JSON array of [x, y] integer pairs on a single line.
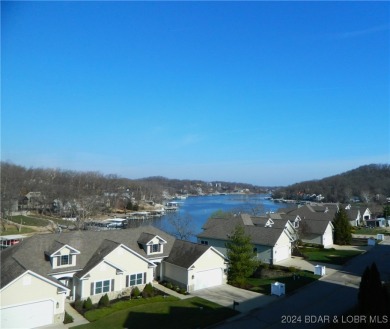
[[200, 208]]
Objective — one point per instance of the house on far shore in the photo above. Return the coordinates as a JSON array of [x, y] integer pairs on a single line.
[[271, 239]]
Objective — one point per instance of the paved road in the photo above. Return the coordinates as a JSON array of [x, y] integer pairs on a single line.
[[319, 303]]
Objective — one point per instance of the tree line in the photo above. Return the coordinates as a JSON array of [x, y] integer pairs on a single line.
[[370, 183], [84, 194]]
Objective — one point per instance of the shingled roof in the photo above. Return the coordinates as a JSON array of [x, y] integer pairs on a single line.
[[185, 253], [32, 253], [223, 228]]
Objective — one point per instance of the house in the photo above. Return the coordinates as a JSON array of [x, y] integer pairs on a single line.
[[43, 270], [271, 242], [313, 223], [201, 266]]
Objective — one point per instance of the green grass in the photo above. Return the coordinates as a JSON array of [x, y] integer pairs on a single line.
[[302, 278], [29, 221], [331, 256], [371, 231], [11, 230], [159, 312]]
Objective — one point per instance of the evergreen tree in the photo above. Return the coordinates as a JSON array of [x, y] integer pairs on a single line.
[[364, 291], [386, 212], [242, 258], [104, 301], [373, 297], [342, 228]]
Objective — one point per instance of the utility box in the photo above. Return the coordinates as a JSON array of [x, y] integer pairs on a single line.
[[371, 242], [278, 289], [380, 237], [319, 270]]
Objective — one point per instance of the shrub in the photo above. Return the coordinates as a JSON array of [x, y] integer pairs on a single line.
[[88, 304], [104, 301], [148, 291], [135, 293], [183, 291], [68, 318], [169, 285], [78, 305], [292, 269]]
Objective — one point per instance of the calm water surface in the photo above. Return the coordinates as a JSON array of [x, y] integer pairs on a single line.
[[200, 208]]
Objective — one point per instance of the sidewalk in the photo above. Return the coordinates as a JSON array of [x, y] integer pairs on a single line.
[[77, 317], [170, 291]]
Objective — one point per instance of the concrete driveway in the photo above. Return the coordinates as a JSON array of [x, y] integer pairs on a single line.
[[225, 295]]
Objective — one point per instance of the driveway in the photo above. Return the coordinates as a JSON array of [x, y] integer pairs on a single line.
[[320, 303], [226, 294]]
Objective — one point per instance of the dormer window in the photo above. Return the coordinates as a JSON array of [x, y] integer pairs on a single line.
[[64, 260], [63, 255], [155, 248], [152, 244]]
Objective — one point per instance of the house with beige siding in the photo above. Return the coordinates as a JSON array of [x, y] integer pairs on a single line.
[[39, 273], [200, 266], [271, 237]]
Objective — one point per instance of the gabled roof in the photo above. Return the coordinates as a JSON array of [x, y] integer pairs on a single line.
[[57, 246], [11, 269], [185, 253], [307, 212], [222, 228], [102, 251], [315, 226], [32, 253], [146, 238]]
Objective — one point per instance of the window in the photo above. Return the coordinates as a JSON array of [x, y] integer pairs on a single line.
[[135, 279], [102, 287], [155, 248], [64, 260], [204, 242]]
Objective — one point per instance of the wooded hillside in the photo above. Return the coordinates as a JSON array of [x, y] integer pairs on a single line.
[[366, 183], [84, 190]]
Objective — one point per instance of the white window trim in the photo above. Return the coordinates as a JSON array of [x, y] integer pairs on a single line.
[[102, 282], [58, 261], [128, 279]]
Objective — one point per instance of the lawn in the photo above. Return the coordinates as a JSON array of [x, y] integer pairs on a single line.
[[292, 281], [331, 256], [371, 231], [12, 229], [29, 221], [159, 312]]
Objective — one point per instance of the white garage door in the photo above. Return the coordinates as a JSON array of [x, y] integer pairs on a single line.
[[281, 253], [28, 315], [207, 279]]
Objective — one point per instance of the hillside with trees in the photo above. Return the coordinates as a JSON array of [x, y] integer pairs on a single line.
[[370, 183], [84, 194]]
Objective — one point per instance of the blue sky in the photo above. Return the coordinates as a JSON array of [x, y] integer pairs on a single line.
[[268, 93]]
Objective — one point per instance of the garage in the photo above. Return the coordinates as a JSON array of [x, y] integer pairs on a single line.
[[281, 253], [28, 316], [209, 278]]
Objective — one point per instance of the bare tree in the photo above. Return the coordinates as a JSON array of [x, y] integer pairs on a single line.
[[182, 226], [365, 195]]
